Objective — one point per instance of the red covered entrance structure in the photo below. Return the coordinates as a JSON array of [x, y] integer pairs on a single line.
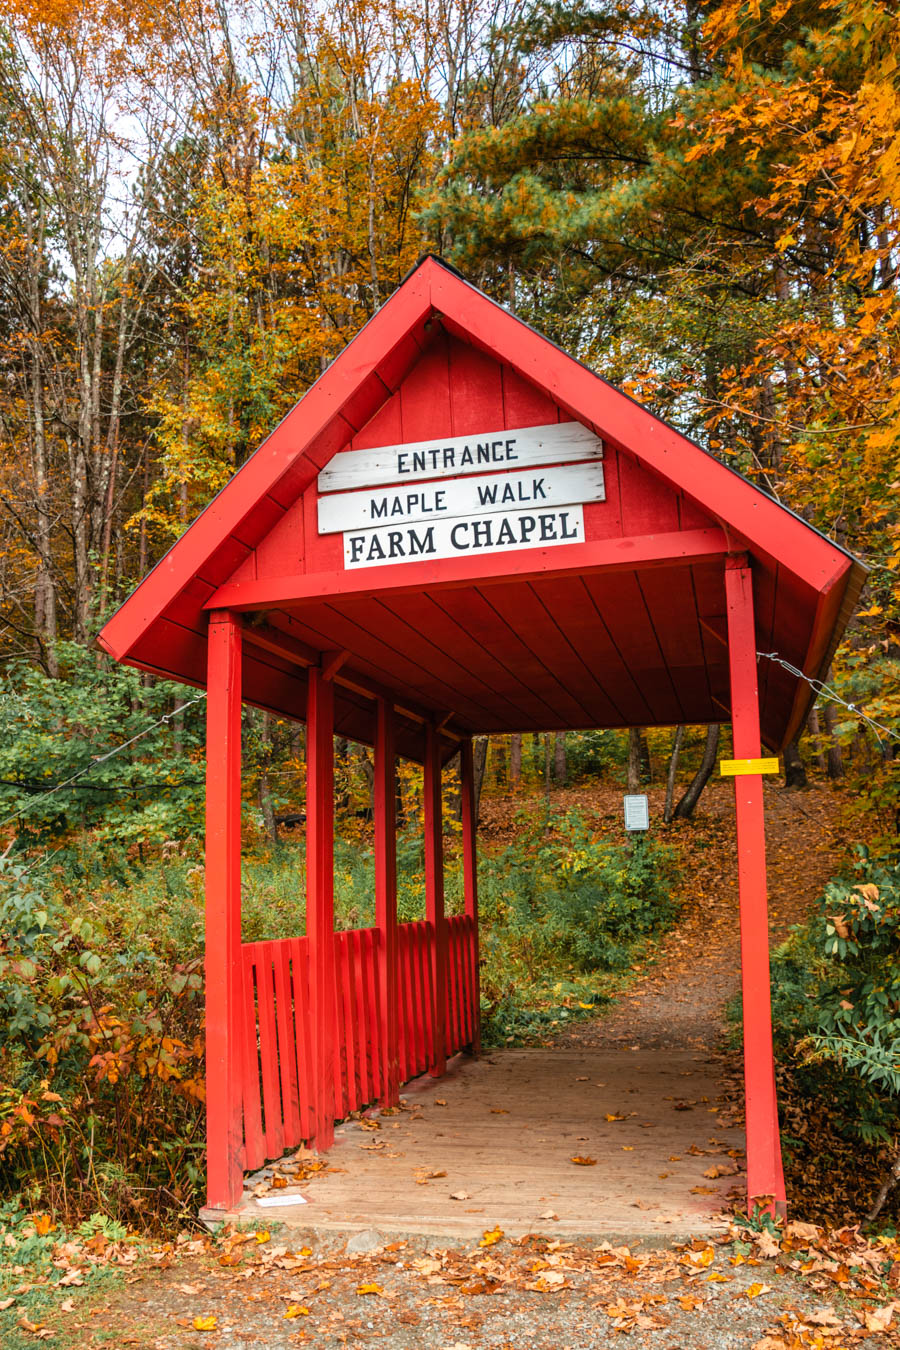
[[460, 529]]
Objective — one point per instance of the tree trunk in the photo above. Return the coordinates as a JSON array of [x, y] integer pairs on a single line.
[[515, 759], [500, 761], [834, 755], [263, 789], [548, 763], [479, 762], [685, 808], [672, 774], [633, 766], [815, 732], [794, 768], [559, 759]]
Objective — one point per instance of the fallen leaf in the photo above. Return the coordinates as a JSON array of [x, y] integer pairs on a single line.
[[722, 1169], [460, 1195], [490, 1237], [754, 1290], [549, 1215], [611, 1116], [262, 1235], [805, 1232], [584, 1162], [880, 1319], [6, 1303], [689, 1302], [368, 1288], [296, 1310], [204, 1324]]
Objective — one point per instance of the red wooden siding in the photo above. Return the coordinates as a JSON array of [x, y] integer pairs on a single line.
[[277, 1062]]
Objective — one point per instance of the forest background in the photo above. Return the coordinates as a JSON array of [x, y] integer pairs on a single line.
[[200, 204]]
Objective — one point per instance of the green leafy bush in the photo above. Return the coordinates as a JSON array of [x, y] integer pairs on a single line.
[[836, 1000], [563, 912], [56, 728], [101, 1059]]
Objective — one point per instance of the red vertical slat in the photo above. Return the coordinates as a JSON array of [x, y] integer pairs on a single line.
[[287, 1053], [340, 1033], [430, 1000], [453, 1041], [268, 1051], [354, 1100], [254, 1150], [434, 898], [320, 896], [303, 1034], [470, 877], [466, 965], [362, 1016], [415, 1022], [402, 1018], [386, 896], [423, 1009], [373, 993]]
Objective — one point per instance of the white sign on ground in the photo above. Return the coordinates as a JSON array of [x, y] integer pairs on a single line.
[[637, 812]]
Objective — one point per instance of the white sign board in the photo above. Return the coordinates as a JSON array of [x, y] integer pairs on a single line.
[[558, 443], [458, 538], [637, 812], [477, 494], [535, 489]]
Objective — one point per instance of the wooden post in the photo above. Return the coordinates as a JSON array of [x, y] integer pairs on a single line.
[[224, 986], [765, 1178], [434, 894], [386, 901], [470, 878], [320, 898]]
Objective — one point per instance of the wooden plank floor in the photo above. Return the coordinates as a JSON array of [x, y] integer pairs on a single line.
[[504, 1130]]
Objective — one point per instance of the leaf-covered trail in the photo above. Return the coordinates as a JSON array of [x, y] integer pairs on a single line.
[[679, 1002]]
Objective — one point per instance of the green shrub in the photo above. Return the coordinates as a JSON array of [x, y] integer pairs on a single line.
[[563, 911], [101, 1060], [836, 1000]]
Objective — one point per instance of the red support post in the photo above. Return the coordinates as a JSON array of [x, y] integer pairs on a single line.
[[765, 1178], [434, 895], [320, 899], [386, 900], [470, 878], [224, 986]]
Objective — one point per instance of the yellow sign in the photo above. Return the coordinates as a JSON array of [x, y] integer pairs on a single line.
[[733, 768]]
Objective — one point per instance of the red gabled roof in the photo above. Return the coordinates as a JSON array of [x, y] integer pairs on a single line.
[[161, 626]]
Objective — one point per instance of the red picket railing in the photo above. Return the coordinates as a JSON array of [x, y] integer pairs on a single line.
[[278, 1073]]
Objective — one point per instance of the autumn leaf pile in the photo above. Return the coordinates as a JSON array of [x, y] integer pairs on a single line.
[[805, 1286]]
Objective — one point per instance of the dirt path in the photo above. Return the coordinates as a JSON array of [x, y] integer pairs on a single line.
[[679, 1003]]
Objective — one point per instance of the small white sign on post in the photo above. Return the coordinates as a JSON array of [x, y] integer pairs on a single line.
[[637, 812]]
